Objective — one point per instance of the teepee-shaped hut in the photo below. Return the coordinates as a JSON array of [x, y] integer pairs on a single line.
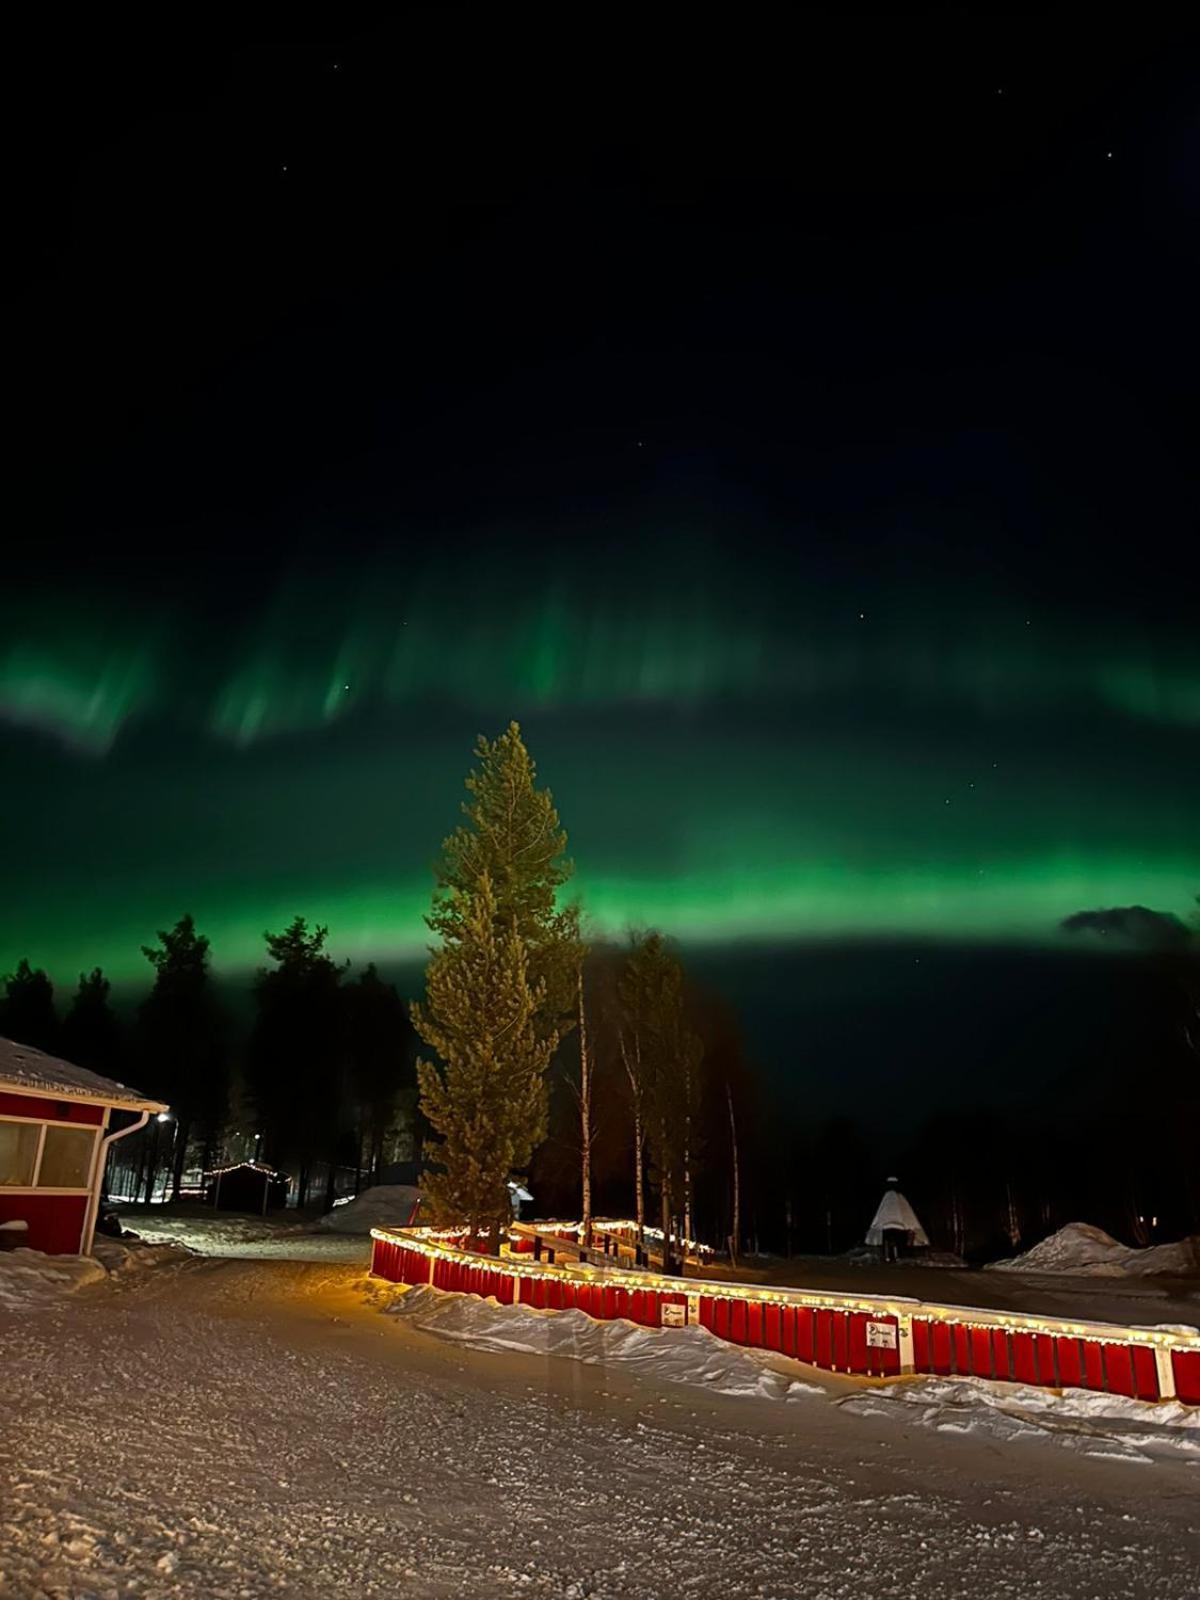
[[896, 1226]]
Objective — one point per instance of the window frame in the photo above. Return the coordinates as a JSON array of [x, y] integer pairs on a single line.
[[42, 1124]]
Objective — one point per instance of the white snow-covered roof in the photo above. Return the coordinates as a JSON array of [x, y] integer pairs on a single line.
[[29, 1071], [895, 1212]]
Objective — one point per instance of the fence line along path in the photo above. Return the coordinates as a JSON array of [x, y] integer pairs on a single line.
[[872, 1336]]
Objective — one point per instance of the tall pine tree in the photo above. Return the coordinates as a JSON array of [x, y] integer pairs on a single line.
[[91, 1034], [513, 834], [183, 1039], [379, 1043], [27, 1013], [505, 866], [486, 1102], [298, 1055]]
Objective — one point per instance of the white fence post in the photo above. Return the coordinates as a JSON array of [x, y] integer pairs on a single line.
[[904, 1324], [1166, 1372]]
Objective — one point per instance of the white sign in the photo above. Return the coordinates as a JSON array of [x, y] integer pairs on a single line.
[[881, 1336], [674, 1316]]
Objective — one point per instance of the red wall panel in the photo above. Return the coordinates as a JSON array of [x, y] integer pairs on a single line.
[[55, 1220], [981, 1352], [1118, 1367], [1186, 1366], [1145, 1373], [805, 1333], [32, 1105], [1023, 1358], [1093, 1365]]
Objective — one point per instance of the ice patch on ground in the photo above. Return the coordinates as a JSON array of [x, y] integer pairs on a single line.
[[1092, 1424], [672, 1355], [388, 1205], [1085, 1251]]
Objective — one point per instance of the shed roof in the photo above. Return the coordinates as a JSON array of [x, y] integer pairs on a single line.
[[28, 1071]]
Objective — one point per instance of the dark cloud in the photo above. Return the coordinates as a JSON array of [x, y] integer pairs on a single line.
[[1133, 925]]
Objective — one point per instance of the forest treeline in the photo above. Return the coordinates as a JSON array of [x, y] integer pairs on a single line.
[[603, 1073]]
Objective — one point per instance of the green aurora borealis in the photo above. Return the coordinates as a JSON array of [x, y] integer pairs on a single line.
[[812, 474], [730, 763]]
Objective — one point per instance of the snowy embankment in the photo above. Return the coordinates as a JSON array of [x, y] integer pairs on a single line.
[[1092, 1424], [29, 1279], [673, 1355], [1080, 1250]]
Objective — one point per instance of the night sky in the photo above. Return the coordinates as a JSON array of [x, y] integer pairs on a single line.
[[797, 434]]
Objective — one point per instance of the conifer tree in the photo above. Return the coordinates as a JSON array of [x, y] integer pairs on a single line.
[[486, 1101], [183, 1041], [27, 1013], [513, 834], [91, 1034], [298, 1052], [379, 1048]]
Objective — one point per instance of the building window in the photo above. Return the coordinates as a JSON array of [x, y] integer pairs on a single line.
[[66, 1158], [18, 1153]]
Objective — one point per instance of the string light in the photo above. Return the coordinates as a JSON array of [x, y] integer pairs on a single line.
[[428, 1242]]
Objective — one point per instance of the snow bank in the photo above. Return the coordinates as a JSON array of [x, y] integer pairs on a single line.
[[28, 1278], [674, 1355], [1088, 1423], [389, 1205], [122, 1257], [1084, 1251], [1091, 1424]]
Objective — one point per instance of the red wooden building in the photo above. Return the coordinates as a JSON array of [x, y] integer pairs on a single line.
[[55, 1135]]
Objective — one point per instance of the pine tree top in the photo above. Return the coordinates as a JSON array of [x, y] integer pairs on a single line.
[[512, 834]]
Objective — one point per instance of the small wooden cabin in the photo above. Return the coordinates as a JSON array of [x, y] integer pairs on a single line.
[[246, 1186], [57, 1124]]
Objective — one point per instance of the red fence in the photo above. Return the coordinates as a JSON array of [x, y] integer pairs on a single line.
[[870, 1337]]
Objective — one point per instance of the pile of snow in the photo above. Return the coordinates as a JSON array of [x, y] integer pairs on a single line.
[[28, 1278], [670, 1355], [130, 1254], [1084, 1251], [389, 1205], [1091, 1424]]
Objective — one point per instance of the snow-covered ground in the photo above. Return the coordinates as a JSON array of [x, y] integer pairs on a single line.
[[280, 1236], [245, 1428]]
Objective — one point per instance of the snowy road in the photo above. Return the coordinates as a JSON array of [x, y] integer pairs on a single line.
[[247, 1428]]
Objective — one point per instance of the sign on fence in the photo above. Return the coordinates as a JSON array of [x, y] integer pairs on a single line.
[[674, 1316], [881, 1336]]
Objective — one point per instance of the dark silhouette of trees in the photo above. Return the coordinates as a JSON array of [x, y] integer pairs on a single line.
[[182, 1040], [91, 1033], [664, 1055], [28, 1015], [298, 1066], [381, 1052]]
